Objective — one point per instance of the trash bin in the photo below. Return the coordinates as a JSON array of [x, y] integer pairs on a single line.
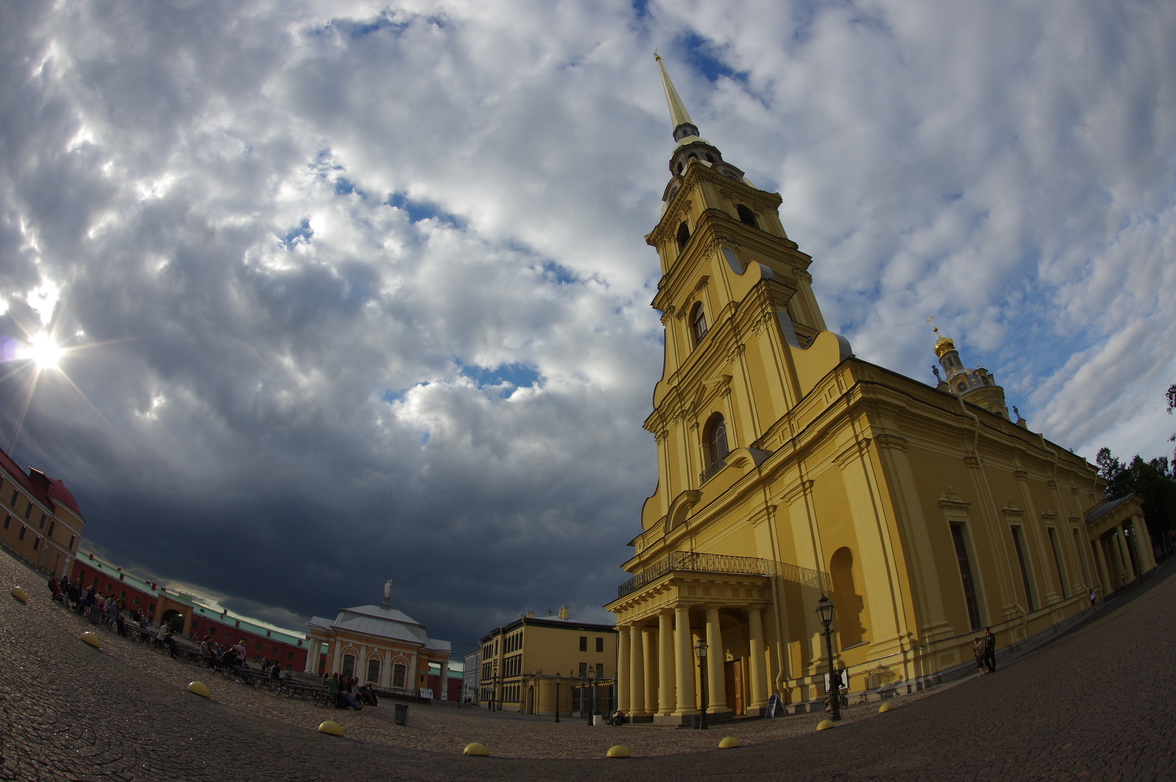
[[695, 722], [401, 716]]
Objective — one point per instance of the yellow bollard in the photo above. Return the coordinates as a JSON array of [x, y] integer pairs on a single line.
[[476, 749], [826, 724], [91, 639], [330, 727], [199, 688], [730, 742], [618, 751], [19, 594]]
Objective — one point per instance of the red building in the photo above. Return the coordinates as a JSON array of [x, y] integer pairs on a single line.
[[157, 604]]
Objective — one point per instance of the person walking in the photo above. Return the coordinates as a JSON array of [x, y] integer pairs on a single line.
[[989, 650]]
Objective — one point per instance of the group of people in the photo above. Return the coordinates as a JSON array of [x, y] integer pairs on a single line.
[[984, 648], [348, 692], [100, 609]]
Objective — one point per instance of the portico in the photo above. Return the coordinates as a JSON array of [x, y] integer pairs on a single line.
[[661, 622]]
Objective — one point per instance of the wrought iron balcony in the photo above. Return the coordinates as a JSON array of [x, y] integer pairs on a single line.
[[694, 562], [699, 562], [710, 470]]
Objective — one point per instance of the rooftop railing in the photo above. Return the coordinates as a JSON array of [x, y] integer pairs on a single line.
[[697, 562]]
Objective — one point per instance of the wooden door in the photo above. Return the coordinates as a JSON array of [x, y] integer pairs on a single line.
[[733, 675]]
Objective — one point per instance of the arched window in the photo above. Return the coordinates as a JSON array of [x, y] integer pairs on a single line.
[[745, 216], [849, 604], [697, 323], [714, 438], [683, 236]]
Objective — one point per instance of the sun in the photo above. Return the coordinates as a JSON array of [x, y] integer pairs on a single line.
[[43, 351]]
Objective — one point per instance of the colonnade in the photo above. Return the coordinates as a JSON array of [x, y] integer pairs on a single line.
[[656, 677], [1117, 570]]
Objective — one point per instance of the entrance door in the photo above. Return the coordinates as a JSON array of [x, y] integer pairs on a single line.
[[530, 699], [733, 675]]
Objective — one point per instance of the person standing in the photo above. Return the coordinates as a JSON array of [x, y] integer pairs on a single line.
[[989, 650]]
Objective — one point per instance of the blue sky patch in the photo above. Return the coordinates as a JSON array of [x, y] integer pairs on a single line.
[[515, 375], [299, 235], [421, 210], [552, 271]]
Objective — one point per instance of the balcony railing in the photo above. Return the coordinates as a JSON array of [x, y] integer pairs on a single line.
[[695, 562], [710, 470]]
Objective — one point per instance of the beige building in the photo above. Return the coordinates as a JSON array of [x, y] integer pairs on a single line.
[[378, 645], [526, 663], [789, 469], [42, 523]]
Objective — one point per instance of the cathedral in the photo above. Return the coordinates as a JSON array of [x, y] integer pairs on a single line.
[[791, 470]]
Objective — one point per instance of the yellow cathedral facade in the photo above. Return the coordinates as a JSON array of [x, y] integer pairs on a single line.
[[789, 469]]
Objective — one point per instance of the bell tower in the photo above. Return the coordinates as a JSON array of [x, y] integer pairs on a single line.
[[744, 336]]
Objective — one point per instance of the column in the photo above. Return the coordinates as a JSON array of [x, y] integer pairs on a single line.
[[623, 667], [1100, 563], [1123, 536], [650, 668], [755, 673], [637, 675], [665, 663], [684, 661], [716, 674], [1124, 557], [442, 680]]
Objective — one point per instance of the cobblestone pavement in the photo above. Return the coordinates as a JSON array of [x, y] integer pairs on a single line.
[[1095, 703]]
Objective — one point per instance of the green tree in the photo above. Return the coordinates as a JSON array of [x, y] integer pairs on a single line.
[[1171, 407]]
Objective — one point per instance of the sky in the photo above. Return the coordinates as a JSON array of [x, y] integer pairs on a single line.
[[347, 291]]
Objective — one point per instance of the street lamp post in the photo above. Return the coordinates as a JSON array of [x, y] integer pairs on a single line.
[[700, 650], [557, 696], [585, 705], [825, 609], [595, 696]]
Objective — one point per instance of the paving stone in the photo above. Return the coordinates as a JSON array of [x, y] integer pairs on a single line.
[[1091, 704]]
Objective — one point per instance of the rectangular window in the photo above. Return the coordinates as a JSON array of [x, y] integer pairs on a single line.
[[136, 600], [71, 542], [22, 532], [583, 669], [94, 583], [348, 665], [1029, 601], [7, 520], [600, 644], [583, 643], [52, 524], [398, 675], [122, 593], [1057, 552], [14, 496], [373, 671], [36, 543], [28, 509], [961, 551], [600, 670], [44, 518]]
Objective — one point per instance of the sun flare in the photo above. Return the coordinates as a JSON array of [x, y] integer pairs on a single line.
[[44, 351]]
